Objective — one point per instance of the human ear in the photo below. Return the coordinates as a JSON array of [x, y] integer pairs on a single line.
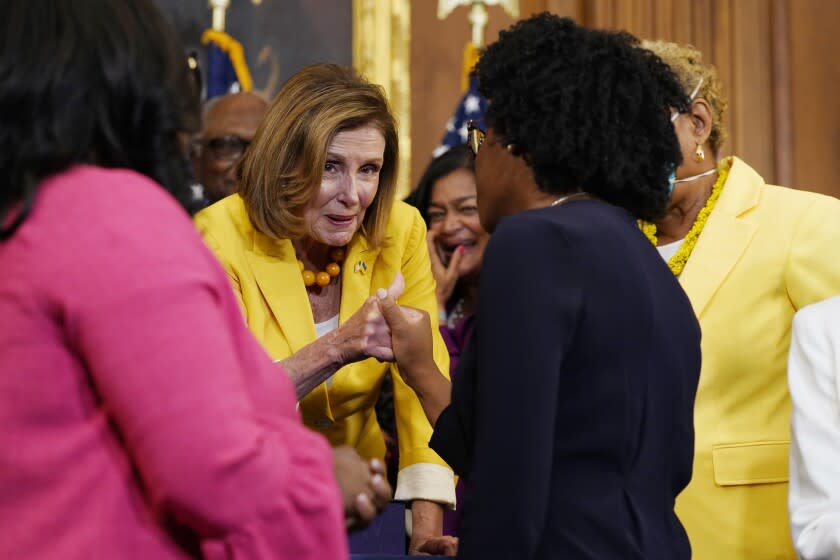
[[701, 119]]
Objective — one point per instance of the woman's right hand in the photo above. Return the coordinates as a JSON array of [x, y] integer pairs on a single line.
[[366, 333], [364, 490], [446, 276], [436, 546], [411, 339]]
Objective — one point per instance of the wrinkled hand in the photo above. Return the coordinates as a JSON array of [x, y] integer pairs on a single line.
[[446, 276], [364, 490], [366, 333], [438, 546], [411, 339]]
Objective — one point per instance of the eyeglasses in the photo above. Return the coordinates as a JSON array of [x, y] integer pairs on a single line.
[[224, 148], [690, 98], [475, 137]]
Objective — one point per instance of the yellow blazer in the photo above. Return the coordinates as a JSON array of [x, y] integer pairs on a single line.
[[765, 252], [265, 275]]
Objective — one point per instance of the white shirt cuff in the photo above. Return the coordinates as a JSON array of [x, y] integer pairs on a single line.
[[426, 481]]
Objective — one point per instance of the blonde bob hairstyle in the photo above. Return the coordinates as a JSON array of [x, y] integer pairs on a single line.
[[687, 63], [283, 167]]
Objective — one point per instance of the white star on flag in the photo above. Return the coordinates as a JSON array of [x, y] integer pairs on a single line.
[[462, 132], [472, 104], [471, 107], [440, 150]]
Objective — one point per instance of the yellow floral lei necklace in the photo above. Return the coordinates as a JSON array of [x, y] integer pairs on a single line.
[[680, 258]]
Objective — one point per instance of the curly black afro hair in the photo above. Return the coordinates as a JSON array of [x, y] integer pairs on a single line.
[[587, 109]]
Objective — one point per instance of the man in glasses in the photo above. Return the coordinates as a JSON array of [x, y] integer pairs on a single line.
[[230, 122]]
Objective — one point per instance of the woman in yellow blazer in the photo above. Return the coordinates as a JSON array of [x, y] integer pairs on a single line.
[[309, 238], [748, 255]]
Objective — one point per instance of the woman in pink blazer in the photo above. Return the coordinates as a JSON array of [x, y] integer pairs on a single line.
[[138, 417]]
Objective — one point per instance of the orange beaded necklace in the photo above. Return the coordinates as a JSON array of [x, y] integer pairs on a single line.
[[324, 277]]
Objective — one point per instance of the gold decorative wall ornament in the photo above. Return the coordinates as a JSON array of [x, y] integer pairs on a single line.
[[381, 53]]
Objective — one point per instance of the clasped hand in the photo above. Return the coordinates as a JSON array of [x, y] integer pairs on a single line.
[[364, 490], [368, 334], [389, 332]]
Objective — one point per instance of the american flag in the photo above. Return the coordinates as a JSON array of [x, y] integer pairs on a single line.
[[471, 107], [227, 69]]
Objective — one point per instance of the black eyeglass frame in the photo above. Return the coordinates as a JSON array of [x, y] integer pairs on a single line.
[[222, 148]]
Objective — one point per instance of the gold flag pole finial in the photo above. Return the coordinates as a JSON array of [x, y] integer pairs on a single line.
[[478, 14]]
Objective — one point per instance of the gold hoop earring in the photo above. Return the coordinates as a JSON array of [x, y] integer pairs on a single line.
[[699, 154]]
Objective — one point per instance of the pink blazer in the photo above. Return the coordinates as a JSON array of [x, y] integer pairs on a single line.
[[138, 416]]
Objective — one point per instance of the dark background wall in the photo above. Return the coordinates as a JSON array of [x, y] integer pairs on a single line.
[[279, 36], [777, 58]]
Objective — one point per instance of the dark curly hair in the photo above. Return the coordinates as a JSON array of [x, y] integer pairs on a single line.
[[104, 82], [457, 157], [587, 109]]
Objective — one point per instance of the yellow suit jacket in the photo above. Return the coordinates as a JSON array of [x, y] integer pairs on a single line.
[[765, 252], [265, 275]]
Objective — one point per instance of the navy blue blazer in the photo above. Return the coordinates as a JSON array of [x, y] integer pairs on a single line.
[[572, 408]]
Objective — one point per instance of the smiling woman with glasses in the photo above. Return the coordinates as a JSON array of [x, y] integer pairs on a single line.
[[446, 198]]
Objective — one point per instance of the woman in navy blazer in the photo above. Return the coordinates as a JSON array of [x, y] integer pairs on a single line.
[[571, 415]]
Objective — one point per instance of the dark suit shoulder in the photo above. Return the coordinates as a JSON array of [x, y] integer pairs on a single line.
[[577, 228]]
